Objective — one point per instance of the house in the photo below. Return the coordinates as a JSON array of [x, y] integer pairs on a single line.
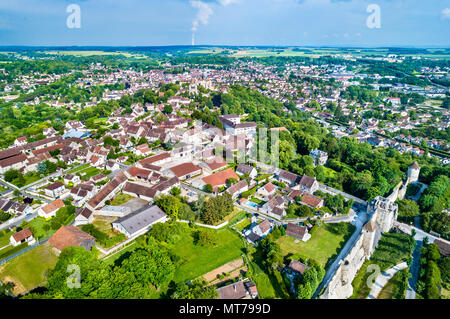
[[156, 159], [142, 150], [243, 169], [23, 236], [251, 287], [185, 170], [214, 164], [258, 232], [306, 199], [139, 173], [235, 290], [108, 191], [20, 141], [319, 157], [112, 166], [13, 162], [144, 192], [71, 236], [219, 179], [275, 207], [99, 177], [49, 210], [83, 217], [238, 188], [297, 266], [71, 178], [288, 178], [309, 184], [267, 190], [298, 232], [140, 221], [55, 190], [232, 125]]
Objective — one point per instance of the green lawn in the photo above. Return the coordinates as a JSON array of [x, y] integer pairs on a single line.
[[120, 199], [75, 170], [4, 237], [324, 244], [196, 260], [11, 250], [243, 224], [29, 270], [270, 285], [88, 172], [392, 249]]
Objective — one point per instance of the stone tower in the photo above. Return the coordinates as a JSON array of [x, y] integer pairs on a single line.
[[413, 172], [384, 211]]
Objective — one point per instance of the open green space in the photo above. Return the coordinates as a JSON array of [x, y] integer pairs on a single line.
[[196, 260], [77, 169], [4, 237], [120, 199], [29, 270], [324, 245]]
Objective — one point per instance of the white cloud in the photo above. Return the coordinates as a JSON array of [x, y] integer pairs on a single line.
[[227, 2], [445, 14], [203, 13]]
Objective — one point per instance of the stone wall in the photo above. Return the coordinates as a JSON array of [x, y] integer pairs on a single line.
[[383, 212]]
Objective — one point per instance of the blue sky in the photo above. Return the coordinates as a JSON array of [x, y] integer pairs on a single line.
[[419, 23]]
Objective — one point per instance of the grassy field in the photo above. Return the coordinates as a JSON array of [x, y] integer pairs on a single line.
[[29, 270], [324, 244], [120, 199], [270, 284], [4, 237], [196, 260], [88, 172], [103, 223], [391, 250], [74, 170], [243, 224]]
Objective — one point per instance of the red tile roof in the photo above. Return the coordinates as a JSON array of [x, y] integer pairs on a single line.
[[53, 206], [23, 234], [220, 178], [184, 169], [68, 236]]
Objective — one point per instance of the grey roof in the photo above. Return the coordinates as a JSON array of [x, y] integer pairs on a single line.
[[119, 209], [141, 218]]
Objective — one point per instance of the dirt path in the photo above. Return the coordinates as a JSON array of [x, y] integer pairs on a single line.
[[228, 267], [18, 289]]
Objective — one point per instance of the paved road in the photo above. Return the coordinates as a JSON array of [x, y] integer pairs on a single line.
[[383, 278], [414, 270], [18, 221]]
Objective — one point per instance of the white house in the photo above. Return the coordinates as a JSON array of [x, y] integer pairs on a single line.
[[55, 190], [24, 236]]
